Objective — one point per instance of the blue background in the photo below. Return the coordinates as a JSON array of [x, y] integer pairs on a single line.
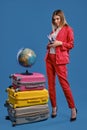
[[26, 23]]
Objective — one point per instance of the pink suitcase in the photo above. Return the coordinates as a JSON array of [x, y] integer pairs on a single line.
[[34, 81], [24, 88]]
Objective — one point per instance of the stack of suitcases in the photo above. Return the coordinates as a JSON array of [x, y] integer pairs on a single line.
[[27, 98]]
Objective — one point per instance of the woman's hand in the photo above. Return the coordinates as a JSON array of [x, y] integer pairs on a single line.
[[54, 44], [48, 46]]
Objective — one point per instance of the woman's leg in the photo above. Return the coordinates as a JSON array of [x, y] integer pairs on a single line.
[[61, 71], [51, 82]]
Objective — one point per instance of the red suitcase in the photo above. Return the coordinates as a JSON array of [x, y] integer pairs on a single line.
[[33, 81]]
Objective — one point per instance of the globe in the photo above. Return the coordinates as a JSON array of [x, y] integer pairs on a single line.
[[26, 57]]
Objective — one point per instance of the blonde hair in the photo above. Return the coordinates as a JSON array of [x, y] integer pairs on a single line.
[[63, 21]]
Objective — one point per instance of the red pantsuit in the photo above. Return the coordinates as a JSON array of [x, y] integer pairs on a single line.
[[61, 71], [56, 65]]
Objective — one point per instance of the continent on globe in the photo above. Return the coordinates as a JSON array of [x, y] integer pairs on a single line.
[[26, 57]]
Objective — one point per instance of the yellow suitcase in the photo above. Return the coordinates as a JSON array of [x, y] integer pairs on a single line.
[[27, 98]]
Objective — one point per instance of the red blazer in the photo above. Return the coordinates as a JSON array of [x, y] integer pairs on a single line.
[[62, 52]]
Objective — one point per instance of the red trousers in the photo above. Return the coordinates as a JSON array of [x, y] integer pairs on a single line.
[[61, 70]]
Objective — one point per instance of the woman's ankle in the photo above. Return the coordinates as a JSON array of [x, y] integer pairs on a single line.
[[54, 108], [73, 112]]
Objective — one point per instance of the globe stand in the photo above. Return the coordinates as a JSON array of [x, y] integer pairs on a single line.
[[27, 73]]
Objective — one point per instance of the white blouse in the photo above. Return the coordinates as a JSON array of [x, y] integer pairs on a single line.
[[53, 36]]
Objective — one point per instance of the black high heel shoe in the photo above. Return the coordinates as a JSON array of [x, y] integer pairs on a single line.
[[54, 115], [73, 119]]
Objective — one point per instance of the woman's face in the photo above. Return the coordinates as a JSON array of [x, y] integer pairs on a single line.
[[56, 20]]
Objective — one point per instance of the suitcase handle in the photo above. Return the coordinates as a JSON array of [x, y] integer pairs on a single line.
[[17, 78], [11, 76]]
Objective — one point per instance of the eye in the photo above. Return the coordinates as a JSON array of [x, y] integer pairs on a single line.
[[56, 19]]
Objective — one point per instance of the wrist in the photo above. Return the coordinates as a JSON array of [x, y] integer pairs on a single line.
[[60, 43]]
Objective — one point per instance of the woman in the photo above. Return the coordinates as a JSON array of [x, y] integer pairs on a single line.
[[61, 40]]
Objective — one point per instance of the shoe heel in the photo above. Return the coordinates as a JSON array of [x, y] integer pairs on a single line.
[[73, 119], [54, 115]]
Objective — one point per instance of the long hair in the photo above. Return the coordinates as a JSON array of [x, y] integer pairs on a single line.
[[62, 18]]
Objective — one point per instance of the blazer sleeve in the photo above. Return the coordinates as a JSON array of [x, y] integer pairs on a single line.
[[68, 42]]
